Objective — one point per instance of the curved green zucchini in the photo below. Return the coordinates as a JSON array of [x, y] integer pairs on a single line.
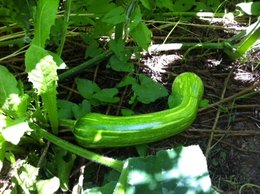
[[101, 131]]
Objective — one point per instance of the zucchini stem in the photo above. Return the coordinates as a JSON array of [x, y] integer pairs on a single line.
[[68, 123], [78, 69], [107, 161]]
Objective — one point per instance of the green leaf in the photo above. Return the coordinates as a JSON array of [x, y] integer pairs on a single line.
[[118, 47], [106, 189], [141, 35], [174, 100], [183, 170], [45, 18], [127, 112], [14, 130], [12, 99], [201, 6], [81, 109], [168, 4], [28, 175], [68, 110], [137, 18], [86, 87], [115, 16], [64, 163], [148, 4], [42, 72], [252, 36], [213, 5], [250, 8], [49, 186], [107, 95], [148, 91], [100, 7], [33, 56], [65, 109], [93, 49], [128, 80], [3, 145], [183, 5], [142, 149], [59, 62], [204, 103], [119, 65], [44, 77], [80, 20], [8, 88]]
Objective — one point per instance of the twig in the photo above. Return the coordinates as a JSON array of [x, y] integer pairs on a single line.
[[246, 90], [16, 53], [121, 101], [240, 149], [43, 154], [227, 132], [209, 146], [248, 185]]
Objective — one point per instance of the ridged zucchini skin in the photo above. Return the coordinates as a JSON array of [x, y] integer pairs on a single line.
[[96, 130]]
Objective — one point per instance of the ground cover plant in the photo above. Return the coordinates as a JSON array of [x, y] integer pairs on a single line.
[[66, 65]]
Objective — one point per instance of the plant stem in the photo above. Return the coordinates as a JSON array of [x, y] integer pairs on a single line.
[[75, 70], [17, 41], [110, 162], [253, 34], [65, 26], [50, 105], [67, 123]]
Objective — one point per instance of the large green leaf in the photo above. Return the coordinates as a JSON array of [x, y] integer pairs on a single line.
[[49, 186], [44, 76], [107, 95], [42, 72], [44, 19], [180, 170], [28, 175], [12, 100], [183, 170], [115, 16], [141, 35], [148, 90], [86, 87], [15, 129], [8, 86]]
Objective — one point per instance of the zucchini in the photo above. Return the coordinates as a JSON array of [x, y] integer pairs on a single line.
[[102, 131]]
